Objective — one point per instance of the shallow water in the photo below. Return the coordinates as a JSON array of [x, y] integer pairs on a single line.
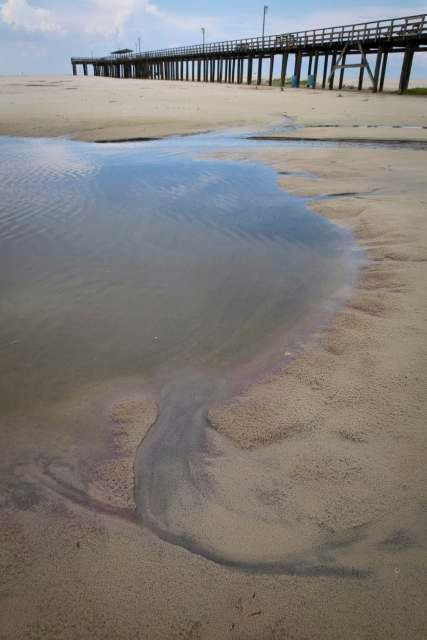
[[192, 276], [139, 259]]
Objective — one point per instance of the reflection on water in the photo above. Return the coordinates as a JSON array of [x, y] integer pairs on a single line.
[[120, 260]]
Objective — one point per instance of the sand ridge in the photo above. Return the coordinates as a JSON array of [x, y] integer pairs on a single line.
[[352, 408]]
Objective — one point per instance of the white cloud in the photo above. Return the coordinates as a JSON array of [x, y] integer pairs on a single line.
[[19, 14], [106, 17], [152, 9], [98, 17], [102, 18]]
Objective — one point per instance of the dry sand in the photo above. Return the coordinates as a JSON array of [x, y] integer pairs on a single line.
[[88, 108], [343, 425]]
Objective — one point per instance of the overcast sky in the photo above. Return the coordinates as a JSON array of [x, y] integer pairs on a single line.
[[40, 36]]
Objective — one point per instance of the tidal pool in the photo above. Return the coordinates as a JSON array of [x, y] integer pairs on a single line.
[[146, 261]]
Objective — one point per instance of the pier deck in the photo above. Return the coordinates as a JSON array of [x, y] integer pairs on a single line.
[[237, 61]]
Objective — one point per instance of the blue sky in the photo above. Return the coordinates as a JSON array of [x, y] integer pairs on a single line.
[[39, 36]]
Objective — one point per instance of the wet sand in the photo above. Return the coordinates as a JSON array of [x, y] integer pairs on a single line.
[[342, 427], [350, 412]]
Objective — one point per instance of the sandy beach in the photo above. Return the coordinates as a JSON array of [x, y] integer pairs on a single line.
[[342, 425], [91, 109]]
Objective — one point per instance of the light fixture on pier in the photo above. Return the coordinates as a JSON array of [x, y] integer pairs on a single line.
[[263, 21]]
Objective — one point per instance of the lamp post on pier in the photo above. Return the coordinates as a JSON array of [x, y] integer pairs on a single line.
[[263, 22], [204, 36]]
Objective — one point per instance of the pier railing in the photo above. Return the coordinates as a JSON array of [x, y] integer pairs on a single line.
[[410, 27]]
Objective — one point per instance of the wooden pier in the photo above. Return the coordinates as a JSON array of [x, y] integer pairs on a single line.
[[243, 61]]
